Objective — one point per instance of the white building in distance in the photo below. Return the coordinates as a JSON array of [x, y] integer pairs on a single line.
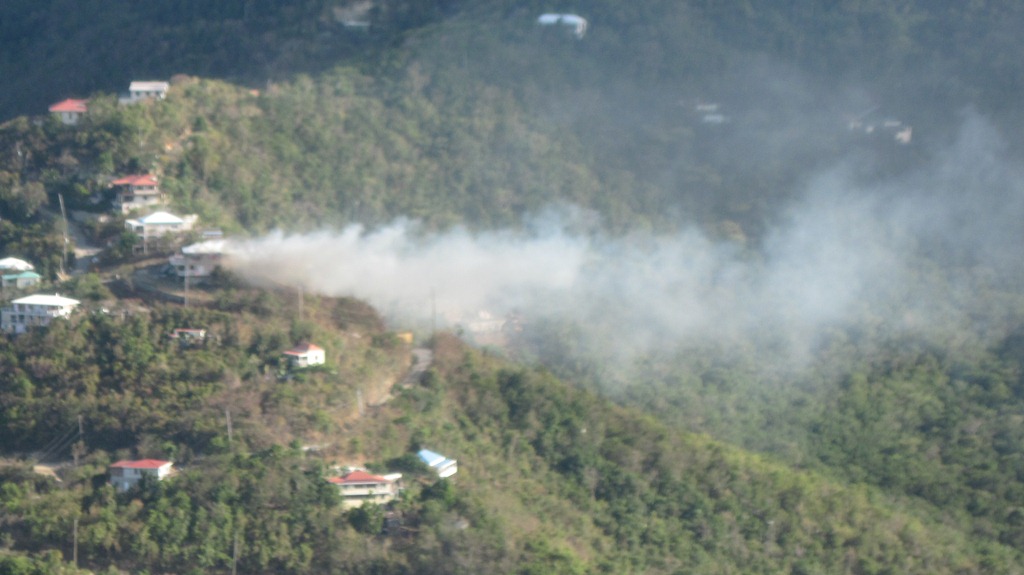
[[126, 474], [33, 311], [145, 90]]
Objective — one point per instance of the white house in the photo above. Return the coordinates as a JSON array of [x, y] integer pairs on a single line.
[[305, 355], [577, 24], [136, 191], [69, 111], [441, 465], [158, 225], [188, 336], [198, 260], [20, 280], [357, 487], [34, 310], [126, 474], [144, 90], [10, 265]]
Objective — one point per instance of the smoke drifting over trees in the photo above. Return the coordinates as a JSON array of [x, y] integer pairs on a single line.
[[910, 255]]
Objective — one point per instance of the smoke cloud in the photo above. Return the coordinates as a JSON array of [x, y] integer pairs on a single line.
[[908, 254]]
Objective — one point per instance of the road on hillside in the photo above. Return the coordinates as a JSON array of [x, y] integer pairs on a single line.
[[423, 357]]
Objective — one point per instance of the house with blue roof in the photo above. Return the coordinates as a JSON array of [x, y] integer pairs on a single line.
[[441, 465]]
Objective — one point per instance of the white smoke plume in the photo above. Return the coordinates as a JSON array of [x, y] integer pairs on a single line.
[[843, 253]]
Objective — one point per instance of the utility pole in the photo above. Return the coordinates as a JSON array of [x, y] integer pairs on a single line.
[[234, 555], [227, 413], [64, 254], [79, 447]]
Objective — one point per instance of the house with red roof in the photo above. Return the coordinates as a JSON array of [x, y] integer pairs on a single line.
[[69, 111], [305, 355], [125, 474], [359, 486], [136, 191]]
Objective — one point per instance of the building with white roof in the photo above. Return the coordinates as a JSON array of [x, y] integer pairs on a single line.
[[198, 260], [145, 90], [34, 311], [577, 24], [158, 225], [10, 265]]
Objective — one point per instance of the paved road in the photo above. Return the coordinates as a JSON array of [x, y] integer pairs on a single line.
[[424, 358]]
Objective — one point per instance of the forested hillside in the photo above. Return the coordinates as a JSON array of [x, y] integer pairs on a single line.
[[791, 342]]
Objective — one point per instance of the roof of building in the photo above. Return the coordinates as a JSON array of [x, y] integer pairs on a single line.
[[431, 458], [142, 463], [303, 349], [161, 218], [21, 275], [47, 300], [15, 264], [207, 247], [135, 180], [70, 105], [358, 477], [148, 86]]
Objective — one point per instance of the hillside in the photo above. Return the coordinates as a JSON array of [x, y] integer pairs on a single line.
[[745, 279]]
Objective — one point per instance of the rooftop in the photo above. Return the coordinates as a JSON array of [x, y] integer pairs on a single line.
[[46, 300], [148, 86], [8, 264], [70, 105], [161, 218], [141, 464], [135, 180], [303, 349], [358, 477]]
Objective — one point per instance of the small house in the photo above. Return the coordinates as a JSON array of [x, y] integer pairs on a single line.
[[187, 336], [158, 225], [145, 90], [10, 265], [440, 464], [135, 192], [198, 260], [20, 280], [34, 310], [305, 355], [126, 474], [69, 111], [576, 24], [359, 486]]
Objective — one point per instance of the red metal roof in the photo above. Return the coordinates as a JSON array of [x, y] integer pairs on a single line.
[[141, 464], [70, 105], [135, 180], [303, 349], [358, 477]]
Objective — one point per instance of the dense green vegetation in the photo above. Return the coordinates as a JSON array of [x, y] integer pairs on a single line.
[[883, 453]]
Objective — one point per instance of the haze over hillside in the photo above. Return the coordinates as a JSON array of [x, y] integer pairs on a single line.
[[759, 265]]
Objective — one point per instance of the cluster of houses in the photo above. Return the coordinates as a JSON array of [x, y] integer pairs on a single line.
[[138, 193], [71, 111], [17, 274], [356, 486]]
